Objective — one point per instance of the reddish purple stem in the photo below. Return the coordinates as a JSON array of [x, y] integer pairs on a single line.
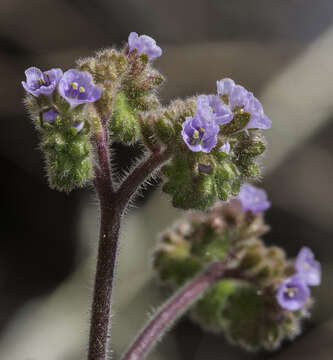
[[172, 310]]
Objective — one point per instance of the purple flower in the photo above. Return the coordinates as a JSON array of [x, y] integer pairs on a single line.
[[240, 100], [307, 267], [225, 147], [293, 293], [38, 82], [49, 116], [79, 126], [144, 44], [253, 199], [200, 131], [222, 113], [77, 87]]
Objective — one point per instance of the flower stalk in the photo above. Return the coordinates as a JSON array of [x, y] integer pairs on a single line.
[[169, 312], [113, 203]]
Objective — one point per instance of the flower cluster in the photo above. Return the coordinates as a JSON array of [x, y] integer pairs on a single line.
[[200, 132], [74, 86], [293, 293], [254, 303], [53, 99]]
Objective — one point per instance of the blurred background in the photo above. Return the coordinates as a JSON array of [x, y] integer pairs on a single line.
[[281, 50]]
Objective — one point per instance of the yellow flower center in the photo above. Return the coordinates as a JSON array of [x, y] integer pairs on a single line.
[[196, 134], [74, 85], [291, 292]]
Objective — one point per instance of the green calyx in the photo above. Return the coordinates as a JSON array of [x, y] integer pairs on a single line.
[[196, 181], [67, 156], [124, 125]]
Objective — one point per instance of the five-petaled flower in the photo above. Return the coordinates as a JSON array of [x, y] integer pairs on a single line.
[[307, 267], [200, 131], [253, 199], [77, 87], [240, 100], [144, 44], [41, 83], [293, 293]]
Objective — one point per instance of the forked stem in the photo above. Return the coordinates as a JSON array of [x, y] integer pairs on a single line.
[[112, 206]]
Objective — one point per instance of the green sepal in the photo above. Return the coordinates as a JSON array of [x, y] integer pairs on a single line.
[[207, 312], [238, 123], [165, 130], [176, 270], [243, 317], [67, 155], [124, 125], [214, 247], [189, 190]]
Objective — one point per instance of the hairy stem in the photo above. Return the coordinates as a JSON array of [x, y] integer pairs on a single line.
[[170, 311], [140, 174], [112, 206]]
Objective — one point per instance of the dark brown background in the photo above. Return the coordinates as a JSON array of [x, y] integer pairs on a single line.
[[283, 50]]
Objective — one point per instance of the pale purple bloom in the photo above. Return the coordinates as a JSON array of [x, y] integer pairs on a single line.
[[258, 119], [77, 87], [225, 147], [222, 113], [225, 86], [49, 116], [253, 199], [79, 126], [41, 83], [200, 131], [307, 267], [239, 99], [144, 44], [293, 293]]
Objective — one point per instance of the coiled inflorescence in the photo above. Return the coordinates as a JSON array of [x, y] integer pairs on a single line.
[[263, 296]]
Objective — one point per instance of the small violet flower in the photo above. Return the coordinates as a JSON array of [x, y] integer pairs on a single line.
[[77, 87], [200, 131], [49, 116], [144, 44], [221, 112], [225, 147], [240, 100], [41, 83], [253, 199], [307, 267], [293, 293]]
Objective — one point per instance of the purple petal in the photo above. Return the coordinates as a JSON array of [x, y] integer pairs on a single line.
[[293, 293], [77, 87], [144, 44], [253, 199], [225, 86], [79, 126], [225, 147], [49, 116], [39, 82], [307, 267]]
